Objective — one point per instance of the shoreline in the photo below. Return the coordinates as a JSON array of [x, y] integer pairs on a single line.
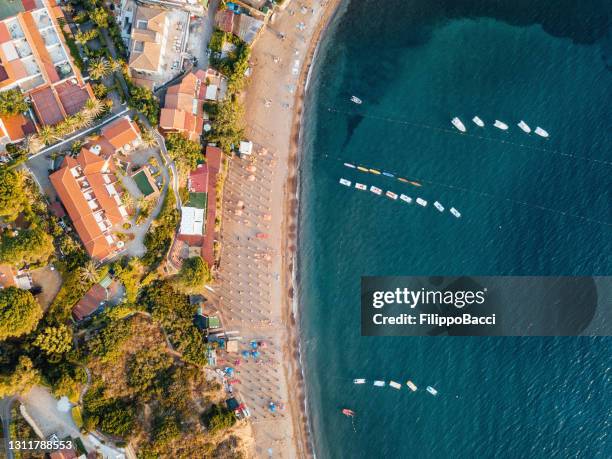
[[295, 376]]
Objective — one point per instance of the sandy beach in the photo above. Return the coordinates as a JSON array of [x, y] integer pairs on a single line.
[[254, 291]]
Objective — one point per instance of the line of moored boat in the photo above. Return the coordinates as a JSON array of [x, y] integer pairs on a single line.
[[370, 170], [394, 196], [395, 385], [499, 125]]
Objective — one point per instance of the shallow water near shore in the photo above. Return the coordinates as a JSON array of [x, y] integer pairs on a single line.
[[530, 207]]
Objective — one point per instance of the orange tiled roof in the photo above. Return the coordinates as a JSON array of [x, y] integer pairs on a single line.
[[121, 132], [91, 172]]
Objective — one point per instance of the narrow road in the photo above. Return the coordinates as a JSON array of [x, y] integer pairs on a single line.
[[5, 413]]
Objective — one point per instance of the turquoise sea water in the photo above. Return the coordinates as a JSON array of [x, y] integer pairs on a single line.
[[530, 207]]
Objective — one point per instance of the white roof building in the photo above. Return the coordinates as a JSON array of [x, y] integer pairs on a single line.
[[192, 221], [246, 148]]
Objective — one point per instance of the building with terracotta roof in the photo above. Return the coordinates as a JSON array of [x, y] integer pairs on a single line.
[[148, 41], [14, 128], [86, 187], [198, 215], [183, 107], [35, 59], [96, 297], [123, 135]]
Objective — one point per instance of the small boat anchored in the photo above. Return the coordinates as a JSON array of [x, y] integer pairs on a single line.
[[395, 385], [411, 385], [356, 100], [391, 194], [432, 391], [345, 182], [388, 174], [439, 206], [458, 124], [361, 186], [347, 412], [455, 212], [375, 190], [359, 381], [379, 383], [541, 132], [352, 166], [374, 171], [500, 125], [421, 202], [478, 122], [363, 169], [524, 127], [405, 198]]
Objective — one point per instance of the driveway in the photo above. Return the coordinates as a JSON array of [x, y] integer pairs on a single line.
[[42, 408], [200, 32]]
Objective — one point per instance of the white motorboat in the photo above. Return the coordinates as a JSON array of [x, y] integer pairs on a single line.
[[432, 391], [375, 190], [455, 212], [352, 166], [500, 125], [541, 132], [405, 198], [439, 206], [356, 100], [391, 194], [421, 202], [458, 124], [359, 381], [478, 122], [361, 186], [524, 127], [345, 182], [379, 383], [395, 385], [411, 385]]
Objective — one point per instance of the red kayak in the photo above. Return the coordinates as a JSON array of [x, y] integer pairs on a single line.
[[348, 412]]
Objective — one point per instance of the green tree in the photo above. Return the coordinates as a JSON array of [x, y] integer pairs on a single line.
[[12, 102], [194, 272], [185, 152], [147, 372], [218, 418], [54, 340], [228, 127], [21, 380], [28, 246], [165, 430], [143, 100], [12, 197], [100, 17], [19, 312]]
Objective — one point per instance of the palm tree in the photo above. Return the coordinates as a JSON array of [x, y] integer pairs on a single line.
[[128, 200], [93, 107], [88, 274], [81, 120], [47, 134], [147, 138], [98, 68], [116, 64], [81, 38]]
